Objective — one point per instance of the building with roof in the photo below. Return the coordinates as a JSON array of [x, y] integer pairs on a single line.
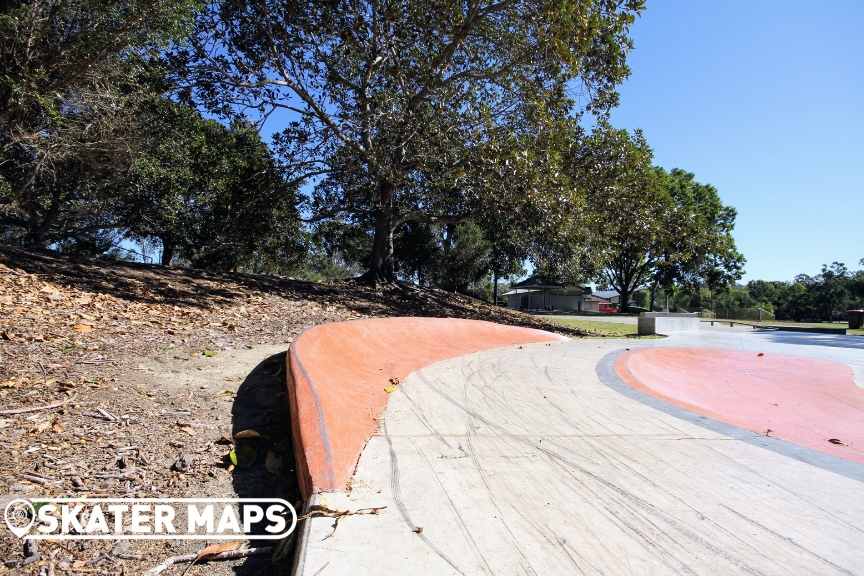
[[536, 294]]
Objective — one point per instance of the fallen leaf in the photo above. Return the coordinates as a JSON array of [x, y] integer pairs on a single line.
[[390, 389], [249, 434], [836, 441], [243, 456], [215, 549], [209, 353], [273, 462], [761, 354], [226, 393], [82, 328], [234, 379], [188, 430]]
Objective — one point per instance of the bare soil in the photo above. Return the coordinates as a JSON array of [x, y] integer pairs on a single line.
[[124, 369]]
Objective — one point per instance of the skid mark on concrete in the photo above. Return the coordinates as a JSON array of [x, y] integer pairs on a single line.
[[566, 475]]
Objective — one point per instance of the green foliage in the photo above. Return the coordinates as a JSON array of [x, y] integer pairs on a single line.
[[650, 227], [826, 296], [72, 71], [212, 195], [464, 258], [405, 111], [450, 258]]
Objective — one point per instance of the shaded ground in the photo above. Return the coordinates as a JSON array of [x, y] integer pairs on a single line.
[[126, 368]]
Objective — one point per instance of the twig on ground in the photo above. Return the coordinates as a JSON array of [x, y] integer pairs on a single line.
[[37, 408], [338, 515], [38, 478], [107, 414], [230, 555], [123, 474]]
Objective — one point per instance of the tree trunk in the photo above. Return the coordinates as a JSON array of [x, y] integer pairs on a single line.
[[168, 250], [624, 300], [495, 287], [381, 267]]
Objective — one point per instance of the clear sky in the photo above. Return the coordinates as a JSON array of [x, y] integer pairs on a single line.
[[764, 99]]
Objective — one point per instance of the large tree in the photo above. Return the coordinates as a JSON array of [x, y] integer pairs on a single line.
[[712, 259], [72, 71], [209, 193], [399, 106], [652, 228]]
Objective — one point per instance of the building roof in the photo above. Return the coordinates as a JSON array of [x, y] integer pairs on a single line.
[[594, 298], [521, 291], [607, 293], [535, 282]]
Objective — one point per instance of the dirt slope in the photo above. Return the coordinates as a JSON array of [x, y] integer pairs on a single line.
[[124, 369]]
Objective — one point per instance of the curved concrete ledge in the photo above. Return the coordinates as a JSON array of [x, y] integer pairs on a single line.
[[805, 401], [337, 374]]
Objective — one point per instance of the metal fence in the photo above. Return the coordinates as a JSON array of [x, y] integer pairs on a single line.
[[742, 314]]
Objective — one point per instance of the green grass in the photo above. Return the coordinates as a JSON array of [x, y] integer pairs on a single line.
[[603, 329]]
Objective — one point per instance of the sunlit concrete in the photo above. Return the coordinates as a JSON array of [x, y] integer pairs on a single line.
[[536, 460]]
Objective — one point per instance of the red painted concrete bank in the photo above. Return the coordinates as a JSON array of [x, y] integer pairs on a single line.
[[800, 400], [337, 374]]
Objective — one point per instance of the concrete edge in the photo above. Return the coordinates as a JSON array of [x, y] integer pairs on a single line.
[[329, 368], [608, 375]]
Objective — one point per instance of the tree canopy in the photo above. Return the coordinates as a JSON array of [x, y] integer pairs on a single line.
[[651, 227], [212, 194], [400, 108], [72, 70]]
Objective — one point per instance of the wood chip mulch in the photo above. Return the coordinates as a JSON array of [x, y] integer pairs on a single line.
[[122, 379]]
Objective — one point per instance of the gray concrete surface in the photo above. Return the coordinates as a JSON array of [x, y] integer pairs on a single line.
[[524, 461], [666, 323]]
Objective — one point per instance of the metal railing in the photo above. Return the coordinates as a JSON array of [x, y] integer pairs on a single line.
[[742, 314]]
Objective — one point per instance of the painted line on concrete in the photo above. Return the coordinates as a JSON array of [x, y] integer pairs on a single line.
[[607, 374]]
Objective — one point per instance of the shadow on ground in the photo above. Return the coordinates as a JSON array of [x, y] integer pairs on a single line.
[[202, 289], [261, 405]]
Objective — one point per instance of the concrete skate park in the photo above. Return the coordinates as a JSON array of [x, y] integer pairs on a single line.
[[443, 446]]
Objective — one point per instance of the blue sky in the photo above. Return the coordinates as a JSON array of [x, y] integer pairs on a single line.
[[764, 100]]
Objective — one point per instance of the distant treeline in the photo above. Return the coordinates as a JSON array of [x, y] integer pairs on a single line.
[[825, 296]]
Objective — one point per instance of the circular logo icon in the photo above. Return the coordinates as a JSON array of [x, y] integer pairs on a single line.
[[20, 515]]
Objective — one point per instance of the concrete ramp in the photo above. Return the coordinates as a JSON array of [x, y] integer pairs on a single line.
[[528, 460], [338, 375]]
